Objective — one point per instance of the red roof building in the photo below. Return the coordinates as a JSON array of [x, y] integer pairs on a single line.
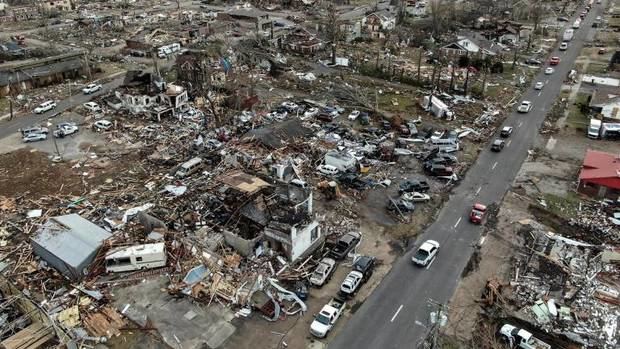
[[600, 174]]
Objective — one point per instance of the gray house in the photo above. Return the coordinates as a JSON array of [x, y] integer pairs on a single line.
[[69, 244]]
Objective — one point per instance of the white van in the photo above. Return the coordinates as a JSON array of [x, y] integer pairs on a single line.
[[444, 141], [136, 258], [189, 167]]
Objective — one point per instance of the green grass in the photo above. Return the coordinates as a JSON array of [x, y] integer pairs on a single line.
[[4, 105], [595, 68], [406, 103], [577, 119], [565, 206]]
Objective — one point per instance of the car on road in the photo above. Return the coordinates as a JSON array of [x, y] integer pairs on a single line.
[[91, 88], [345, 244], [365, 265], [524, 107], [323, 272], [65, 129], [539, 85], [409, 186], [563, 46], [555, 60], [416, 197], [478, 211], [354, 115], [34, 129], [426, 253], [549, 71], [403, 206], [351, 283], [102, 125], [92, 106], [498, 145], [327, 170], [506, 131], [34, 137], [45, 107]]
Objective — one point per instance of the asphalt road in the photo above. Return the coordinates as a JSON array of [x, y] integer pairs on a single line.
[[23, 121], [396, 315]]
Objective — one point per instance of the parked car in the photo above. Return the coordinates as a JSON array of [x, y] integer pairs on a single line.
[[549, 71], [520, 338], [351, 283], [345, 244], [555, 60], [439, 170], [426, 253], [364, 119], [365, 265], [416, 197], [506, 131], [413, 185], [34, 137], [354, 115], [562, 19], [539, 85], [524, 107], [563, 46], [533, 61], [290, 106], [45, 107], [327, 170], [325, 320], [498, 145], [323, 272], [403, 206], [478, 211], [92, 106], [91, 88], [102, 125], [34, 129]]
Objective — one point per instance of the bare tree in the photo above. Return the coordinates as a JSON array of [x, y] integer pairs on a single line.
[[536, 13], [332, 28], [437, 14]]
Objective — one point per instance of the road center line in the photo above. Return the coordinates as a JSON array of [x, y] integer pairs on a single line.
[[520, 124], [547, 81], [539, 93], [431, 263], [508, 143], [495, 164], [478, 191], [457, 222], [396, 313]]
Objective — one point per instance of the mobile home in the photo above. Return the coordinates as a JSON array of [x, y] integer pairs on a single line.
[[136, 257]]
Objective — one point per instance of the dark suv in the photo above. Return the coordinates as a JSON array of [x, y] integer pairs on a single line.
[[365, 265], [413, 185]]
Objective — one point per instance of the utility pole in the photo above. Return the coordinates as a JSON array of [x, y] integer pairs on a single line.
[[419, 62], [437, 319]]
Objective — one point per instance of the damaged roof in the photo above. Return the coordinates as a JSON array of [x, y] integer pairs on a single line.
[[242, 181], [278, 135], [598, 165]]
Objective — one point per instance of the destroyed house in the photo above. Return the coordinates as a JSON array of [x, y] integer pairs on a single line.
[[69, 244], [303, 42], [600, 175], [472, 44], [278, 135]]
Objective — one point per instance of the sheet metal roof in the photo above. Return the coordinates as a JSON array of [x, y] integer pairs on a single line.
[[70, 238]]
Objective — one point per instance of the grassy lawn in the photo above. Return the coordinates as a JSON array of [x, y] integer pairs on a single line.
[[406, 103], [565, 206], [576, 119], [595, 68], [4, 105]]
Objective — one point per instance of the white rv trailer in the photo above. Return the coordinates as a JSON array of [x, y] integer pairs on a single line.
[[136, 257]]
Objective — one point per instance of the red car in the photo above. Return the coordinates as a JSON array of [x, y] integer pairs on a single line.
[[554, 61], [477, 213]]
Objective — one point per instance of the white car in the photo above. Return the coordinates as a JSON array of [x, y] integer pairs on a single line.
[[91, 88], [416, 197], [34, 137], [351, 283], [328, 170], [539, 85], [354, 114], [65, 129], [44, 107], [323, 272], [310, 113], [525, 107], [92, 106], [549, 71], [103, 125], [563, 46], [290, 106], [426, 253]]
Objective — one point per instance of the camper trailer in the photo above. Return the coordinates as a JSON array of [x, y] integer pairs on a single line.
[[136, 257]]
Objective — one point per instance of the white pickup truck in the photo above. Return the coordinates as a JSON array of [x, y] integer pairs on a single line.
[[325, 320], [520, 338]]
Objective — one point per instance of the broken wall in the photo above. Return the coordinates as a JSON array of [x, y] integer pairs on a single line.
[[243, 246]]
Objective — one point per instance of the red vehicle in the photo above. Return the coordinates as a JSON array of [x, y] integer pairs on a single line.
[[477, 213], [554, 60]]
